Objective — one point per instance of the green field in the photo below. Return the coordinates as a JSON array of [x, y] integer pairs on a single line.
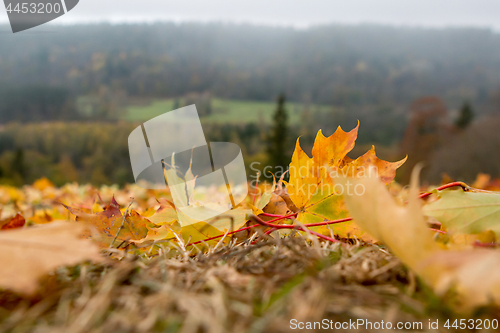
[[224, 111]]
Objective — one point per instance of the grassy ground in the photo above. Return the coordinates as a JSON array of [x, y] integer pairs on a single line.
[[224, 111], [238, 288]]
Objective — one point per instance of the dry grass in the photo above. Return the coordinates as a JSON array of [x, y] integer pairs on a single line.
[[244, 288]]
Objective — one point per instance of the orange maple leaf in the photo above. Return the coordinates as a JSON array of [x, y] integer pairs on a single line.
[[311, 186]]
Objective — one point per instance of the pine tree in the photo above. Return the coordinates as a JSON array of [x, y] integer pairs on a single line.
[[18, 167], [177, 104], [465, 117], [277, 141]]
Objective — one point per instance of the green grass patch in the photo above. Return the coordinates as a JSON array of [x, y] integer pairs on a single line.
[[224, 111], [148, 111]]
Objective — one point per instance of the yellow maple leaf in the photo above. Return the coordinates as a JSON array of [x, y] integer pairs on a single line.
[[312, 188], [356, 168], [307, 174]]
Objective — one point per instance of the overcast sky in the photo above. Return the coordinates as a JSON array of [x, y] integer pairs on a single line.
[[300, 13]]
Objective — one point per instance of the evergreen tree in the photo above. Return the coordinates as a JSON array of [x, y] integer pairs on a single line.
[[277, 141], [177, 104], [465, 117], [18, 167]]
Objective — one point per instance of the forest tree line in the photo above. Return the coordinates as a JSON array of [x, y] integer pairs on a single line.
[[359, 66], [62, 95]]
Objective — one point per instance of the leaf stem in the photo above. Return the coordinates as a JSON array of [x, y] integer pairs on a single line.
[[487, 245], [219, 236], [443, 187], [305, 227], [274, 215], [347, 219], [288, 226], [270, 231]]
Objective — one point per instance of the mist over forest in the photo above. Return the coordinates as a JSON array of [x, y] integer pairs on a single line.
[[338, 65], [331, 75]]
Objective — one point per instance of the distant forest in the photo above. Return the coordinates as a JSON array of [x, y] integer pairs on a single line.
[[370, 73], [361, 65]]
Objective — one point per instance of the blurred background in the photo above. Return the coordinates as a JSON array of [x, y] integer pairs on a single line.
[[422, 77]]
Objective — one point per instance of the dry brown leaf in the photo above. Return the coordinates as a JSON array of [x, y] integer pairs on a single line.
[[27, 254], [108, 224], [471, 272]]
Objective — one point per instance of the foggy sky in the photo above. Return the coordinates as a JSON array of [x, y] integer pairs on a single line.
[[298, 13]]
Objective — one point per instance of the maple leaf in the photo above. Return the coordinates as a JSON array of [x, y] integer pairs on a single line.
[[224, 219], [109, 222], [29, 253], [275, 200], [307, 174], [17, 221], [472, 273], [166, 226], [198, 232], [193, 233], [277, 206], [312, 188], [42, 217], [263, 199], [166, 214], [386, 170], [468, 212]]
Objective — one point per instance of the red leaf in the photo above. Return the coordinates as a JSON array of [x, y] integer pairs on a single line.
[[17, 221]]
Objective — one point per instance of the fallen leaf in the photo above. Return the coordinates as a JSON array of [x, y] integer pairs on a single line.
[[472, 273], [307, 174], [164, 232], [42, 217], [375, 211], [199, 231], [464, 212], [224, 219], [264, 199], [312, 188], [386, 170], [29, 253], [277, 206], [166, 214], [17, 221], [108, 224]]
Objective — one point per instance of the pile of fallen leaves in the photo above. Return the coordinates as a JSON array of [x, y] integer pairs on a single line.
[[79, 258]]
